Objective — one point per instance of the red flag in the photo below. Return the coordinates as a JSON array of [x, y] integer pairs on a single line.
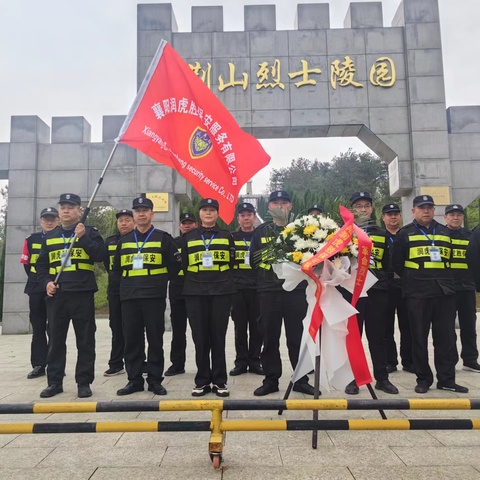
[[177, 121]]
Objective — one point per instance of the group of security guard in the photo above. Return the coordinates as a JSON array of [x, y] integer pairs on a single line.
[[421, 273]]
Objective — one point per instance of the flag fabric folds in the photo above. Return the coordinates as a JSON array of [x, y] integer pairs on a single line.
[[177, 121]]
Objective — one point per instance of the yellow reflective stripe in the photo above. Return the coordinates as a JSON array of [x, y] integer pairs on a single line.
[[33, 269], [266, 239], [34, 258], [414, 265], [266, 266], [194, 258], [142, 245], [59, 241], [36, 246], [75, 266], [144, 272], [457, 241], [241, 243], [75, 254], [433, 265], [377, 252], [457, 253], [240, 254], [215, 268], [422, 238], [424, 252], [462, 266], [180, 273], [377, 238], [148, 258], [112, 247], [215, 241], [242, 266], [52, 271]]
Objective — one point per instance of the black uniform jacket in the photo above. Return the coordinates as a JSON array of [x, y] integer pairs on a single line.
[[34, 246], [243, 273], [200, 280], [79, 277], [422, 278]]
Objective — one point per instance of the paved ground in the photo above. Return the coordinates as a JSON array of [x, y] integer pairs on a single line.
[[247, 455]]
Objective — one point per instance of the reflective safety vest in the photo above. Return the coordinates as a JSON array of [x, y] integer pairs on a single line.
[[151, 255], [459, 254], [34, 253], [418, 256], [378, 251], [79, 258], [264, 241], [219, 248]]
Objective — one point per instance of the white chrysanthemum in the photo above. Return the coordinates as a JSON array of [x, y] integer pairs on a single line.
[[312, 220], [329, 224], [353, 249], [294, 238], [320, 234], [306, 256], [301, 244], [296, 223], [311, 244], [278, 240]]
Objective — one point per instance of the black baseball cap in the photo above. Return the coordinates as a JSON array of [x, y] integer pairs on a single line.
[[70, 198], [420, 200], [315, 207], [142, 202], [49, 212], [355, 197], [129, 213], [241, 207], [390, 208], [279, 195], [209, 202], [187, 217], [456, 207]]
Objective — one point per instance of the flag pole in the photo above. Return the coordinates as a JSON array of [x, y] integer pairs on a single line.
[[86, 212]]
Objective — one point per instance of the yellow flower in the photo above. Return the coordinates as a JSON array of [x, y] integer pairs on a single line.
[[297, 257], [344, 251], [287, 230], [329, 237], [309, 230]]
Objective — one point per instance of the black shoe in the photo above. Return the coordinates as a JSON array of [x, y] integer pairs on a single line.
[[386, 386], [469, 367], [172, 370], [157, 389], [408, 368], [220, 390], [305, 388], [201, 391], [452, 387], [265, 389], [256, 369], [51, 391], [37, 371], [391, 368], [130, 388], [112, 371], [421, 388], [352, 388], [237, 371], [84, 390]]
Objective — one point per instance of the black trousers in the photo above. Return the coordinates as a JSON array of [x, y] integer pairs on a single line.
[[38, 320], [248, 339], [79, 308], [208, 317], [144, 315], [397, 304], [116, 326], [275, 306], [178, 318], [439, 313], [467, 318]]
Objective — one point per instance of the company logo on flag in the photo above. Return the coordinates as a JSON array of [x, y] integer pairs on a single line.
[[176, 120]]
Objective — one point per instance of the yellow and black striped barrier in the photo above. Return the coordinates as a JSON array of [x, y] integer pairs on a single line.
[[218, 426]]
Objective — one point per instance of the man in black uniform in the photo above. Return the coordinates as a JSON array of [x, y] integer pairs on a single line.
[[36, 292], [392, 218], [178, 309], [276, 304], [125, 225], [422, 252], [245, 302], [373, 309], [142, 260], [207, 259], [464, 287], [72, 297]]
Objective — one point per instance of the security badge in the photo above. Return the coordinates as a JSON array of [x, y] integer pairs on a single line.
[[207, 260], [66, 262], [435, 254], [246, 261], [137, 262]]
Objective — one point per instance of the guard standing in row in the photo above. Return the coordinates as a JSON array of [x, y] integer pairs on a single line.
[[465, 298], [207, 258], [36, 292], [373, 310], [315, 209], [392, 218], [142, 260], [72, 297], [245, 312], [422, 252], [276, 304], [178, 309], [125, 224]]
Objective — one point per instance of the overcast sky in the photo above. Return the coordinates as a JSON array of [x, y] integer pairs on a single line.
[[78, 57]]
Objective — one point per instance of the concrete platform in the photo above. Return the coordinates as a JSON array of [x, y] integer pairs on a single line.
[[361, 455]]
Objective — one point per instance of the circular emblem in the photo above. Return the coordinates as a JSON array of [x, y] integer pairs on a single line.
[[49, 209], [425, 197], [67, 196], [362, 194], [244, 205], [279, 194], [455, 207], [187, 215], [140, 200], [209, 200], [392, 206]]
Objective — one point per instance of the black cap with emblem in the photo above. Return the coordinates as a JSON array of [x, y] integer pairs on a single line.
[[208, 202], [391, 208], [279, 195], [129, 213], [355, 197], [242, 207], [187, 217], [315, 207], [423, 200], [70, 198], [456, 207], [49, 212], [142, 202]]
